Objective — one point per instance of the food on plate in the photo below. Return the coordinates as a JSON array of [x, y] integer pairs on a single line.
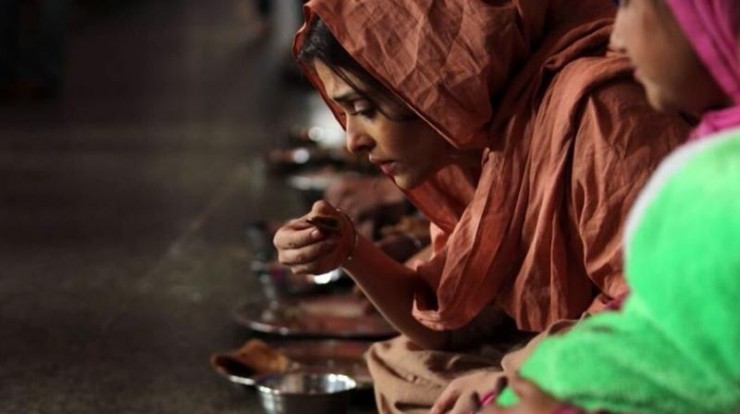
[[253, 359]]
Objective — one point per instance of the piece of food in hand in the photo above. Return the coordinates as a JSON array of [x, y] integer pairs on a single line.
[[328, 224], [253, 359]]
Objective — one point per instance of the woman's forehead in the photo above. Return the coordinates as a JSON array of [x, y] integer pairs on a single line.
[[340, 82]]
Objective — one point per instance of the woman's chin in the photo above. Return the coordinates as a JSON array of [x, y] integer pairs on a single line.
[[669, 106], [405, 182], [660, 102]]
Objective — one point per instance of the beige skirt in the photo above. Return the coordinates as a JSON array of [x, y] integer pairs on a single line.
[[409, 380]]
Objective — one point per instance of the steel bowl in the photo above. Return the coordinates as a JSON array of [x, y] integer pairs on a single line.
[[305, 393]]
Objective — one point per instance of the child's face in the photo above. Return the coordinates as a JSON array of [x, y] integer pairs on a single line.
[[665, 63]]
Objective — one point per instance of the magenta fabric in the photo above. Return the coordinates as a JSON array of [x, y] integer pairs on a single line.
[[712, 28]]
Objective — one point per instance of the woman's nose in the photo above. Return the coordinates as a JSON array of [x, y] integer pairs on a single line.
[[615, 40], [357, 139]]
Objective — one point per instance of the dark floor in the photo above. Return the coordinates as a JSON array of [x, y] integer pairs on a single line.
[[122, 209]]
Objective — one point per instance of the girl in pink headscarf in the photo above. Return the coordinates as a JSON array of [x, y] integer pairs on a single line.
[[674, 347]]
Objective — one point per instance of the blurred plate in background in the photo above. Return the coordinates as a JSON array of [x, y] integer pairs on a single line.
[[325, 316], [317, 356]]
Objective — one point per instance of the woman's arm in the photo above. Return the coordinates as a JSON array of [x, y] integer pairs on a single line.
[[389, 285]]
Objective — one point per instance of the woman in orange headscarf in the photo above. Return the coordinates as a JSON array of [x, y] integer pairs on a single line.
[[508, 125]]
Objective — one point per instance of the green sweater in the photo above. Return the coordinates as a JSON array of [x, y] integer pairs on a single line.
[[675, 346]]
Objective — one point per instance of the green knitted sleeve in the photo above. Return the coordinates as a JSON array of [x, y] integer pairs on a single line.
[[675, 346]]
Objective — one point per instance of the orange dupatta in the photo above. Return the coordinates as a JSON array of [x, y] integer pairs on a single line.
[[538, 231]]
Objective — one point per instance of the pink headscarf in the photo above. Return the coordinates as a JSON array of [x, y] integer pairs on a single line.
[[712, 28]]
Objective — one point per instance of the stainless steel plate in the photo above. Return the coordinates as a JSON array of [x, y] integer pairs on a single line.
[[316, 356], [327, 316]]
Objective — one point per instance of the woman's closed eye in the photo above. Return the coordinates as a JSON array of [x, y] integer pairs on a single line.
[[362, 107]]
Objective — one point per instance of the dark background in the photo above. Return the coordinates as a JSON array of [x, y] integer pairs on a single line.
[[131, 141]]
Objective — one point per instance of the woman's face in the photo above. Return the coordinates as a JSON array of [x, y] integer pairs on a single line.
[[403, 146], [665, 63]]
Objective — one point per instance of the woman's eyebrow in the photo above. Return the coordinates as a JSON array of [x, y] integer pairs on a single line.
[[346, 97]]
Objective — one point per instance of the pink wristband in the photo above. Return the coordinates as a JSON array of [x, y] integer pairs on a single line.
[[488, 398]]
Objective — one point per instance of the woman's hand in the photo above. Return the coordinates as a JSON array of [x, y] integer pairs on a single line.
[[461, 396], [532, 400], [309, 249]]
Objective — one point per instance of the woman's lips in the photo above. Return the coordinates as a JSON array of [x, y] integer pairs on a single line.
[[388, 168]]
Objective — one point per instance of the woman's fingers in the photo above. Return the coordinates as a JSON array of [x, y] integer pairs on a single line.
[[322, 207], [317, 242], [306, 254], [297, 234], [303, 247]]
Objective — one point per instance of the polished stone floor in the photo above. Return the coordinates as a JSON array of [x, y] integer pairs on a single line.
[[122, 210]]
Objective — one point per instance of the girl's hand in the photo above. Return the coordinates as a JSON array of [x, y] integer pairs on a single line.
[[532, 400], [462, 395], [308, 248]]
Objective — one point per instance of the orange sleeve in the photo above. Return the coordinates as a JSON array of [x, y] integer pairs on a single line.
[[623, 141]]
